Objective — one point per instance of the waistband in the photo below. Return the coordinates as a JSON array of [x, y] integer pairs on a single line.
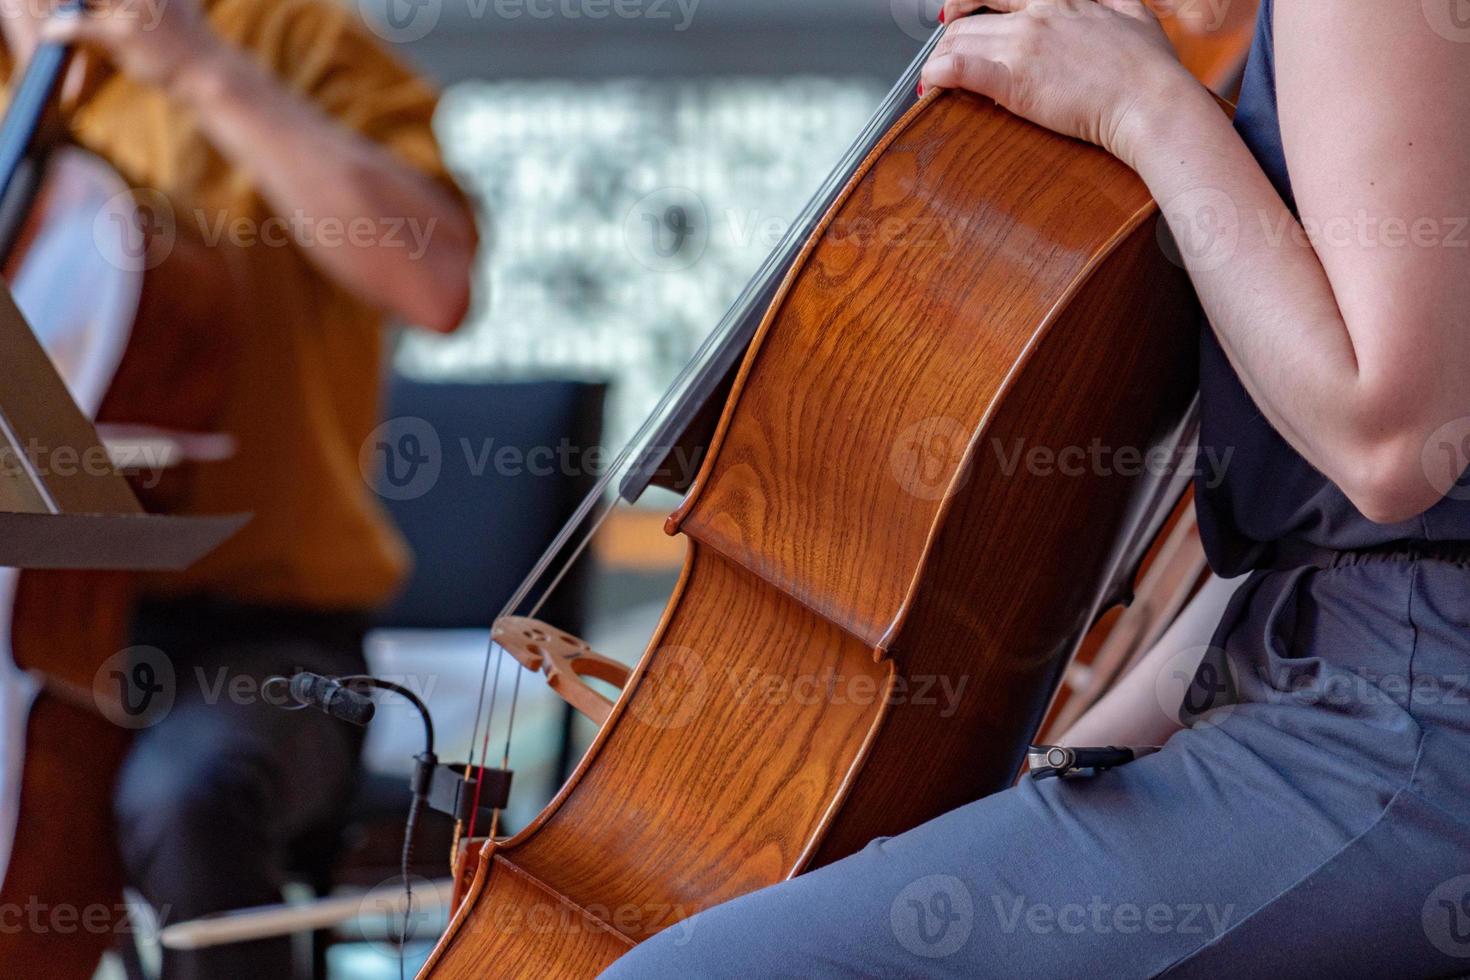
[[1288, 555]]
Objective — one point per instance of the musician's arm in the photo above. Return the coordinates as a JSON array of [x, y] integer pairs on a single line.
[[1142, 708], [1352, 341], [305, 163]]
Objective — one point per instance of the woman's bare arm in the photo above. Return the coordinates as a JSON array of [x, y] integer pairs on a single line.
[[1348, 327], [1143, 707]]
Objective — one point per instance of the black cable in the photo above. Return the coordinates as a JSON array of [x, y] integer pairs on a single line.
[[413, 818], [367, 680], [423, 772]]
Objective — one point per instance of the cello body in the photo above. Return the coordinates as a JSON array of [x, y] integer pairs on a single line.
[[60, 752], [119, 317], [892, 550]]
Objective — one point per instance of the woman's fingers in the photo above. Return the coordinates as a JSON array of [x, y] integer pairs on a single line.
[[956, 10], [967, 67], [1128, 8]]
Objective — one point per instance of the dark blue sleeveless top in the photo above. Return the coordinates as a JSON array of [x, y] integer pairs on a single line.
[[1268, 492]]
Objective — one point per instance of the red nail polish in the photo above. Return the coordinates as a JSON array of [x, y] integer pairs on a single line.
[[941, 15], [921, 90]]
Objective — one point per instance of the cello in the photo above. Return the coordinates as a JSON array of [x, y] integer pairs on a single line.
[[879, 517], [116, 300]]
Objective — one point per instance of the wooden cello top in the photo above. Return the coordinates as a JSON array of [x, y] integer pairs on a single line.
[[859, 545]]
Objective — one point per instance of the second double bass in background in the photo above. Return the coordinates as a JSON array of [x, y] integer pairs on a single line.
[[122, 315]]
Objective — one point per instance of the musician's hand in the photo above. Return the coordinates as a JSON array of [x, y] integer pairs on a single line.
[[150, 42], [1085, 68]]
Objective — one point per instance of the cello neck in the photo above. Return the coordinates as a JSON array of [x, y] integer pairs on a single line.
[[20, 132], [32, 100]]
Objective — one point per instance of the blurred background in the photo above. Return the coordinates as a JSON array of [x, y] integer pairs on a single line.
[[632, 162]]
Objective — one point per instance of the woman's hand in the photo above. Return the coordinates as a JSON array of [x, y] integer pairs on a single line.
[[1093, 69], [150, 42]]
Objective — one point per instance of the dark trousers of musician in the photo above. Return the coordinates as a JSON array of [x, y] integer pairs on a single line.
[[226, 794]]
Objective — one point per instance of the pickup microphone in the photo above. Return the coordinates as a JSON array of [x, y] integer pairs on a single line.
[[1065, 762], [333, 697]]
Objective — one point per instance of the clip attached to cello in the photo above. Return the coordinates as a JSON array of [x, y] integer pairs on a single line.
[[1064, 762], [450, 792]]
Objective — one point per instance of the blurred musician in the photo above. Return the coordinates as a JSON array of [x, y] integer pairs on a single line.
[[281, 134]]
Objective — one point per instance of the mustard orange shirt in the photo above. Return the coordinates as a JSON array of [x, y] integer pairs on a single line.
[[304, 393]]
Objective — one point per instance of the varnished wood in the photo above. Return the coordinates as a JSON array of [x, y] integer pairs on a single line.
[[63, 885], [867, 573], [1172, 576], [564, 660], [176, 348]]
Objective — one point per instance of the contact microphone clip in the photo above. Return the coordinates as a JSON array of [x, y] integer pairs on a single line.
[[1066, 762]]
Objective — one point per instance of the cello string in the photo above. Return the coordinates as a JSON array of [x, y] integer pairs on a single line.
[[470, 766], [779, 257], [739, 312], [795, 239]]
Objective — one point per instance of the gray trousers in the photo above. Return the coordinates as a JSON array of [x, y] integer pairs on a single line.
[[217, 792], [1313, 822]]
